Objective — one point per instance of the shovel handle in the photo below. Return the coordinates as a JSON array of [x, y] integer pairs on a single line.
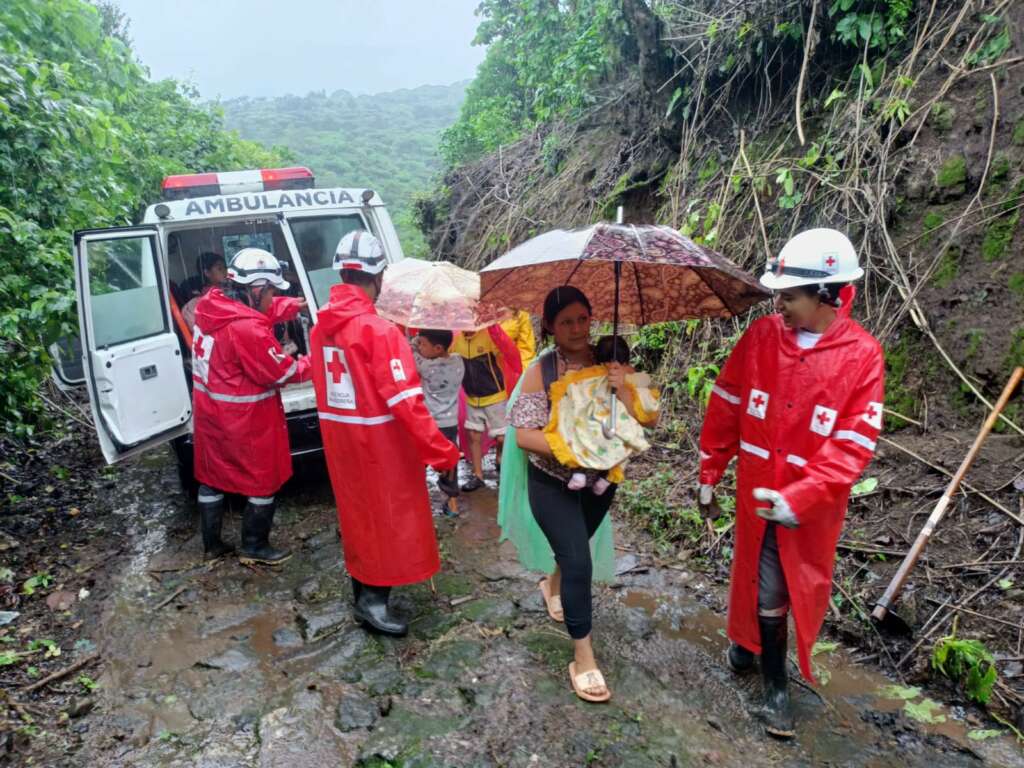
[[896, 585]]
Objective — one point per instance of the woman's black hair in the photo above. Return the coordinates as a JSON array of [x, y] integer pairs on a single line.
[[557, 300], [208, 260], [438, 337], [827, 292]]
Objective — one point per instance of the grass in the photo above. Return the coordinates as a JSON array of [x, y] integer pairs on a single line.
[[654, 503]]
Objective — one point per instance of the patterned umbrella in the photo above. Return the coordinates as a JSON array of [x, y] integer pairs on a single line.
[[650, 274], [435, 294]]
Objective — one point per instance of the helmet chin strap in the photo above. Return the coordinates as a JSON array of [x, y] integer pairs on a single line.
[[256, 295], [826, 298]]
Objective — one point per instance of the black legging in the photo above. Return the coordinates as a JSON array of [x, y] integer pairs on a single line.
[[569, 519]]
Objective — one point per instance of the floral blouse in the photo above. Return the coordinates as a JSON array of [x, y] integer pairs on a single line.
[[531, 411]]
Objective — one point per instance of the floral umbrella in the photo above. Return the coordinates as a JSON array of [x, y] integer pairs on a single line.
[[650, 274], [633, 274], [434, 294]]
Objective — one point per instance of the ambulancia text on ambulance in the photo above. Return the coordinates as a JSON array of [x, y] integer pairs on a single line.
[[132, 283]]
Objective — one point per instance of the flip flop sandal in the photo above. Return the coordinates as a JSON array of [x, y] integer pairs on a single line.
[[589, 681], [553, 602]]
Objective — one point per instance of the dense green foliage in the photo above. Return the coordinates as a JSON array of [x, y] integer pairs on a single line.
[[387, 141], [543, 60], [85, 139]]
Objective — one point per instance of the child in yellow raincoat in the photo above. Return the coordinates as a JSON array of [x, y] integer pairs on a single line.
[[580, 406]]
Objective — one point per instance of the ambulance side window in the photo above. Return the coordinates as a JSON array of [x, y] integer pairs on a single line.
[[124, 292]]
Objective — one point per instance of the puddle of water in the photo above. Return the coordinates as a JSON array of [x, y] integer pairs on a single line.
[[478, 519], [850, 689]]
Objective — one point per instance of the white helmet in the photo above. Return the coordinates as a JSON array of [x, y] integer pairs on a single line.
[[361, 251], [813, 257], [256, 267]]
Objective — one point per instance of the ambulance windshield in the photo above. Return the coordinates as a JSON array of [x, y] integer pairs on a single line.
[[317, 238]]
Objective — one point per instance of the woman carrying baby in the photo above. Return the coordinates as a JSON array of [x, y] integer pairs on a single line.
[[567, 516]]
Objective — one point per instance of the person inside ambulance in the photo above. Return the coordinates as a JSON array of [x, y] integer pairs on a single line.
[[378, 435], [240, 434], [213, 271], [799, 402]]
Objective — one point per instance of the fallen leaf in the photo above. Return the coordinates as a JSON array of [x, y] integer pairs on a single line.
[[74, 512], [865, 486], [904, 692], [924, 711], [823, 646], [984, 733]]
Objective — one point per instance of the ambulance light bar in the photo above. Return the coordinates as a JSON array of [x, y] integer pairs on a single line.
[[189, 185]]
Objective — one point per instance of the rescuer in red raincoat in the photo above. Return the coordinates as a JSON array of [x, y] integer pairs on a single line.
[[240, 434], [800, 403], [378, 435]]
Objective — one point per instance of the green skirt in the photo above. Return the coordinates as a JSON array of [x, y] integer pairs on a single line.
[[519, 526]]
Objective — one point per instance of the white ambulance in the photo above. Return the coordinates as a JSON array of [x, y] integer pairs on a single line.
[[134, 351]]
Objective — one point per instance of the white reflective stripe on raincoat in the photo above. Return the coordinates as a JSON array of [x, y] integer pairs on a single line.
[[404, 395], [366, 421], [754, 449], [855, 437], [233, 398], [289, 373], [725, 395]]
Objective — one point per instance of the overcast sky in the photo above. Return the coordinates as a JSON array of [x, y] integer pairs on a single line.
[[234, 48]]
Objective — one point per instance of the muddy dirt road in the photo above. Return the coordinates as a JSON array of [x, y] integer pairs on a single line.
[[222, 665]]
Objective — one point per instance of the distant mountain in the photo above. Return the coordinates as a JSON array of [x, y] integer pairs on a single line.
[[386, 141]]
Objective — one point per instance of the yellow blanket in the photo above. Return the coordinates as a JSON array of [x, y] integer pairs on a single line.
[[580, 404]]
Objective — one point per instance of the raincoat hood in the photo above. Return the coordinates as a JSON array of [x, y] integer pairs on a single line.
[[346, 302], [215, 310]]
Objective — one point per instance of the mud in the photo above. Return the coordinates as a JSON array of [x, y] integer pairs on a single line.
[[223, 665]]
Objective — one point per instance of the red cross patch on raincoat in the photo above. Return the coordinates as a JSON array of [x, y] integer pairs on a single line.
[[378, 435], [240, 433], [803, 422]]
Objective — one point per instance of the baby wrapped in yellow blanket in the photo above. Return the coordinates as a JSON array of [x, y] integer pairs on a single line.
[[581, 404]]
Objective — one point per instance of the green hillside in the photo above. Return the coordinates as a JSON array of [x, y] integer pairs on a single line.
[[387, 141]]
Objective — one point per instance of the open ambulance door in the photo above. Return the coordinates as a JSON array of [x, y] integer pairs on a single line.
[[131, 355]]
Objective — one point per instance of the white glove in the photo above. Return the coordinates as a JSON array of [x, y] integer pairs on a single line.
[[707, 492], [780, 512], [707, 503]]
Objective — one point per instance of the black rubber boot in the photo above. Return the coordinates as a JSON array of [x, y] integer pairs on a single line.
[[372, 611], [357, 588], [777, 712], [740, 660], [211, 518], [257, 521]]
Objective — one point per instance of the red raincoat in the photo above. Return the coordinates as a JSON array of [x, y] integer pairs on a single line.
[[240, 434], [804, 423], [378, 435]]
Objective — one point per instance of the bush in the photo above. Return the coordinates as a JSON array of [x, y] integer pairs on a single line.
[[86, 139]]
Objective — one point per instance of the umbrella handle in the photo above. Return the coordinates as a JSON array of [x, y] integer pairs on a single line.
[[608, 428]]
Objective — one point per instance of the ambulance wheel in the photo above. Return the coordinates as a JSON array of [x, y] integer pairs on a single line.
[[182, 448]]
